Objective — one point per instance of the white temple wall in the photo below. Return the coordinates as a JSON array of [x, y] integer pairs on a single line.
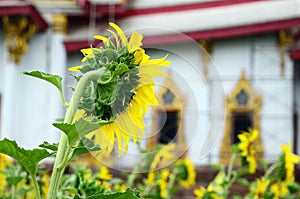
[[259, 58], [1, 60], [32, 98]]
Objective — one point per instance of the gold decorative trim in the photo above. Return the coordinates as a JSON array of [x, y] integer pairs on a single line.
[[178, 104], [253, 105], [285, 40], [206, 49], [17, 31], [60, 23]]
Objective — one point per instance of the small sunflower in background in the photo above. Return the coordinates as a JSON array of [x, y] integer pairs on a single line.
[[285, 170], [246, 147], [260, 187], [185, 173], [290, 160], [122, 95]]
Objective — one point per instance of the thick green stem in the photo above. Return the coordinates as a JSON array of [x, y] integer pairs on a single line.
[[36, 187], [13, 192], [231, 164], [62, 147]]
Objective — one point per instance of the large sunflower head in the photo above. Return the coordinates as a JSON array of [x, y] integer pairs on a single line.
[[125, 90]]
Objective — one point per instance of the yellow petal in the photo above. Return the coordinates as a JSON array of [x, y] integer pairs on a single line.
[[147, 94], [74, 68], [120, 32], [135, 41], [153, 70], [86, 51], [136, 117], [115, 36], [102, 38]]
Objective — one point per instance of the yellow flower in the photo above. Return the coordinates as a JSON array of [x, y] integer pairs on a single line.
[[4, 160], [120, 187], [163, 183], [45, 183], [150, 178], [283, 189], [202, 193], [104, 173], [190, 174], [135, 86], [275, 190], [290, 160], [261, 186], [163, 157], [246, 147]]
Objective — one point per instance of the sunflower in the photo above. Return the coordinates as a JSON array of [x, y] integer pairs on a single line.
[[4, 161], [186, 173], [163, 183], [246, 147], [125, 90], [290, 160], [104, 174], [261, 187], [275, 190], [206, 193]]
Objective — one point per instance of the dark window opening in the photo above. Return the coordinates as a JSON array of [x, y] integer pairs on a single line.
[[241, 122], [169, 127]]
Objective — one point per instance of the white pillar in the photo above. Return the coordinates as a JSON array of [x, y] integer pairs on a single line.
[[9, 114]]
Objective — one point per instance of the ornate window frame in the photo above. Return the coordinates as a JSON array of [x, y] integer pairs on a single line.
[[178, 104], [253, 104]]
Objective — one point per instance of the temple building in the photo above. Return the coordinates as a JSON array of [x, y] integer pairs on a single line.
[[235, 65]]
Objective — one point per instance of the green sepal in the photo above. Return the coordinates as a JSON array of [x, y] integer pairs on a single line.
[[128, 194], [84, 146], [106, 77], [29, 159]]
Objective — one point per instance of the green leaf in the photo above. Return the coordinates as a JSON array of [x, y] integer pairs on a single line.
[[46, 145], [72, 190], [70, 130], [243, 182], [240, 172], [128, 194], [14, 180], [79, 129], [29, 159], [264, 163], [56, 80], [218, 167]]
